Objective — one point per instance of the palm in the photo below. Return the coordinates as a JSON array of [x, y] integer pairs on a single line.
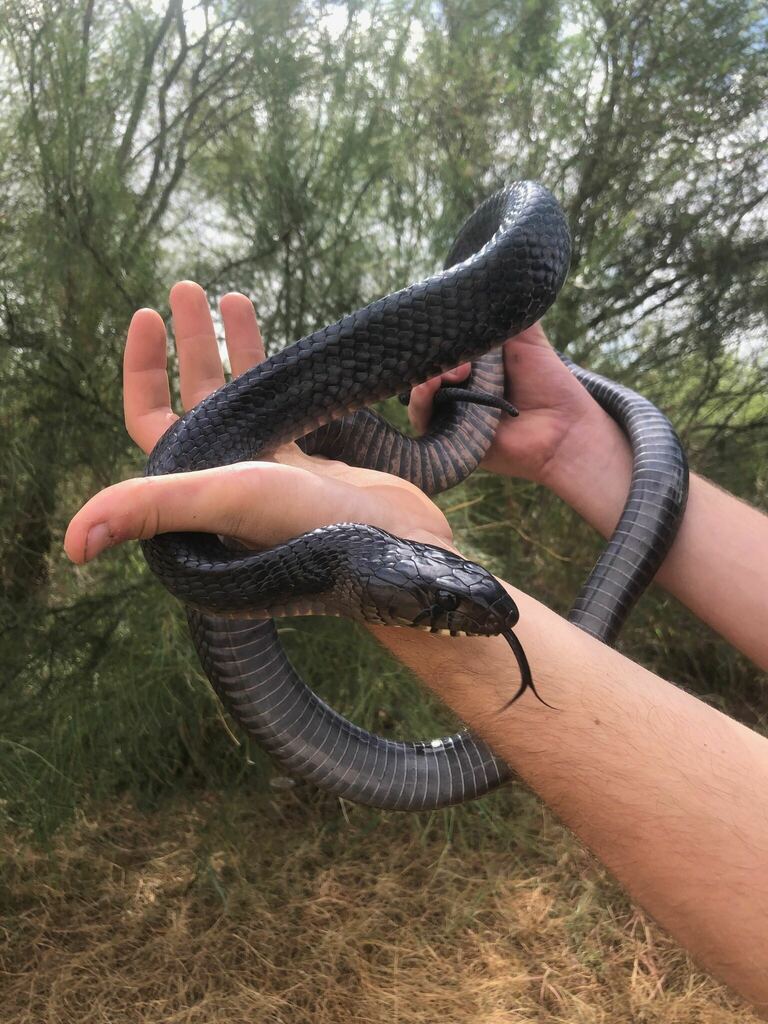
[[550, 402]]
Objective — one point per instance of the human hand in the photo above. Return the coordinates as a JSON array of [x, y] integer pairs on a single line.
[[258, 503], [560, 427]]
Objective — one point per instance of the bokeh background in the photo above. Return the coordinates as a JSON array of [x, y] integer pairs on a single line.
[[316, 156]]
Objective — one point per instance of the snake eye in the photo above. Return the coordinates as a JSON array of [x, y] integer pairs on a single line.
[[448, 601]]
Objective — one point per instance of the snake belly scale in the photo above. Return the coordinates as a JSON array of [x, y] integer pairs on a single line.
[[505, 269]]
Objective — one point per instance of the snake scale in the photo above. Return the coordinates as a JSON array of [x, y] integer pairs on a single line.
[[505, 269]]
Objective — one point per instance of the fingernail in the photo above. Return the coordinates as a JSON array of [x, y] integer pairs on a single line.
[[97, 540]]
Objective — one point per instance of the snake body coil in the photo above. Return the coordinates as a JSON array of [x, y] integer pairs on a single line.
[[505, 269]]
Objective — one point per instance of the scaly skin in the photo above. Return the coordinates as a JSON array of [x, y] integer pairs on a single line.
[[313, 388]]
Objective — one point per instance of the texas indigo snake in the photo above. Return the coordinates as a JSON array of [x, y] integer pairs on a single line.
[[505, 269]]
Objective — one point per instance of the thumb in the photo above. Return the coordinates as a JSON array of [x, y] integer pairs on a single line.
[[261, 504]]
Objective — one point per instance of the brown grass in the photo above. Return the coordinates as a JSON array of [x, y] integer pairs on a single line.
[[282, 910]]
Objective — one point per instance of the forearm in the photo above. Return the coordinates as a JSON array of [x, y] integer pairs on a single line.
[[717, 564], [666, 791]]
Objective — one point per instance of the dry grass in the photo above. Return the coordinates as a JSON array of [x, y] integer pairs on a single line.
[[282, 910]]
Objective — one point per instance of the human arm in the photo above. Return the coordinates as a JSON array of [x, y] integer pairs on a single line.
[[565, 441], [666, 791]]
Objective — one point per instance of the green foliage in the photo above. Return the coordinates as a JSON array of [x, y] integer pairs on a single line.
[[316, 156]]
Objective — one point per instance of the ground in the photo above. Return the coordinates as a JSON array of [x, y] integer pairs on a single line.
[[287, 907]]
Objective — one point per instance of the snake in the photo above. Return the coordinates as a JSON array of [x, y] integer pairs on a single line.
[[504, 270]]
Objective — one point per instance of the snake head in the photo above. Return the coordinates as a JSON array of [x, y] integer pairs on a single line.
[[432, 589]]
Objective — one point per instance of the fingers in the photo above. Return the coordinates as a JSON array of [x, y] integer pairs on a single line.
[[200, 369], [146, 393], [244, 344], [259, 503], [146, 390], [422, 396]]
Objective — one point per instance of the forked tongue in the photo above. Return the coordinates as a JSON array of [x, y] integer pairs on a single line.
[[526, 679]]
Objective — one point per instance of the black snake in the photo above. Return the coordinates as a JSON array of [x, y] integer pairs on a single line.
[[505, 269]]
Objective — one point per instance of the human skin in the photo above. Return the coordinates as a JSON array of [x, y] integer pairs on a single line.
[[668, 792], [717, 566]]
